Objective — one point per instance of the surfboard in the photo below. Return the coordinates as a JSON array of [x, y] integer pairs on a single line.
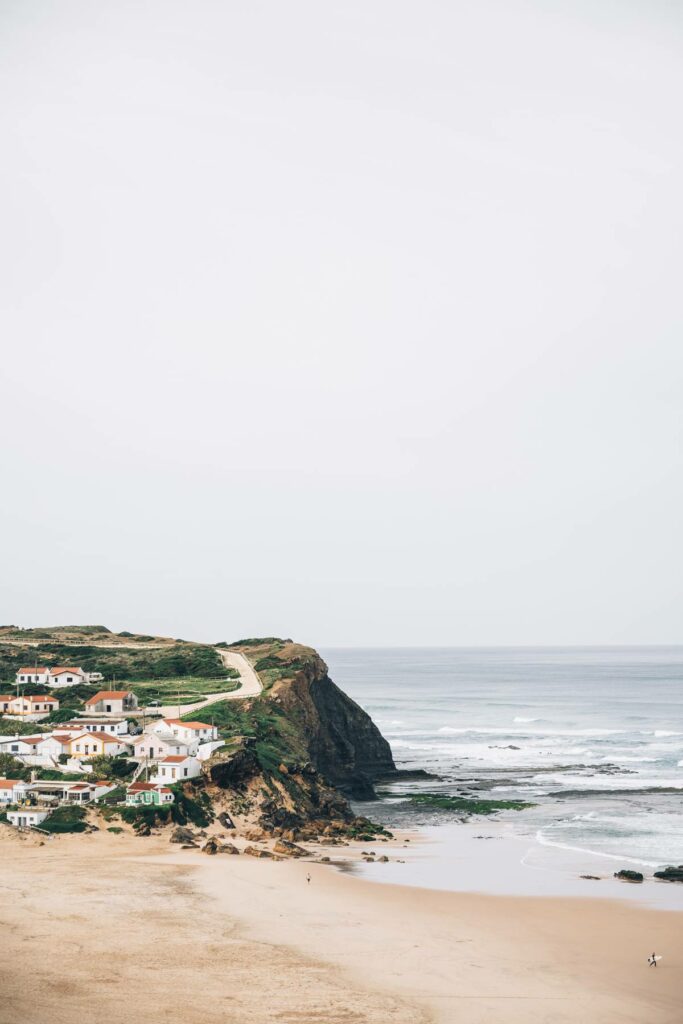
[[650, 959]]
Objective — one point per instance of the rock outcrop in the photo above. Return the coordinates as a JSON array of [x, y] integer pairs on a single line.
[[670, 874], [343, 742]]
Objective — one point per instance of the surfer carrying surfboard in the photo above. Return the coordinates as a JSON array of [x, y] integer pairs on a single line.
[[652, 960]]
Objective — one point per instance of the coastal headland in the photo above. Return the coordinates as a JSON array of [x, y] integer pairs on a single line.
[[230, 893]]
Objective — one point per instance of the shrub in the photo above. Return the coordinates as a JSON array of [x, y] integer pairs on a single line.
[[67, 818]]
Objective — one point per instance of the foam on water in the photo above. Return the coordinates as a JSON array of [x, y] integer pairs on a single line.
[[568, 729]]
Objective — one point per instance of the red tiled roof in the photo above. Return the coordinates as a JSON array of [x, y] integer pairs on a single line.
[[109, 695], [9, 783], [175, 758], [33, 671], [36, 699], [59, 669], [136, 787], [188, 725], [104, 736]]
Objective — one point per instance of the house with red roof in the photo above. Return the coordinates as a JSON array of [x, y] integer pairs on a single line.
[[96, 744], [188, 732], [39, 674], [176, 768], [56, 677], [29, 709], [112, 702], [148, 793]]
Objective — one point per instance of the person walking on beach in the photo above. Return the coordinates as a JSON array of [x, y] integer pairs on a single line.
[[652, 960], [308, 879]]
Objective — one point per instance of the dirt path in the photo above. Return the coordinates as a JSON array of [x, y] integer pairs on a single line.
[[250, 686]]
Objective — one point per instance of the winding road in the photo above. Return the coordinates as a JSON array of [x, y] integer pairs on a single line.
[[250, 686]]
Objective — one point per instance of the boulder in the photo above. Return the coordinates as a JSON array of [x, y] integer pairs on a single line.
[[670, 874], [190, 846], [382, 860], [254, 835], [289, 849], [182, 835], [253, 851], [210, 846], [227, 848], [225, 820], [628, 876]]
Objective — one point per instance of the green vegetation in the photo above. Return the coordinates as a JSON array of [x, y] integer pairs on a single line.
[[194, 809], [173, 659], [278, 740], [10, 768], [264, 641], [9, 727], [112, 768], [62, 714], [67, 818], [116, 829], [50, 775], [190, 689], [466, 805]]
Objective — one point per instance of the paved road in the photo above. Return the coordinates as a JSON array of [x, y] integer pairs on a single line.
[[250, 686]]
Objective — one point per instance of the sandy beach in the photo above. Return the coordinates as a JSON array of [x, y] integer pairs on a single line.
[[133, 930]]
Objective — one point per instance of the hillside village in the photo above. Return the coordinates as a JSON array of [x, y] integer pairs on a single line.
[[165, 750], [238, 740]]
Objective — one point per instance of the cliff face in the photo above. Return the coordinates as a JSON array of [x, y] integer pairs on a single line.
[[342, 741], [296, 752]]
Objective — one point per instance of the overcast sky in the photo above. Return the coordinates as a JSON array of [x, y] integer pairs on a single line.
[[357, 322]]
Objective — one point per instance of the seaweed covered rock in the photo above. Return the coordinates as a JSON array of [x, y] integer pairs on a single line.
[[628, 876], [670, 874]]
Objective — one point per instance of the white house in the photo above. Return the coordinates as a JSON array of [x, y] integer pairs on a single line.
[[30, 709], [188, 732], [53, 745], [56, 677], [113, 726], [69, 792], [176, 769], [156, 746], [63, 675], [27, 817], [38, 674], [12, 791], [20, 746], [112, 702]]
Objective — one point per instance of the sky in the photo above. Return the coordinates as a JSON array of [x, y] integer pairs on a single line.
[[355, 322]]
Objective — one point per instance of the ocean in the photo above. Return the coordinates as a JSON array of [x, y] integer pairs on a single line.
[[591, 737]]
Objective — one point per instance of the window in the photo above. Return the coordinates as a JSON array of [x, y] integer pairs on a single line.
[[185, 770]]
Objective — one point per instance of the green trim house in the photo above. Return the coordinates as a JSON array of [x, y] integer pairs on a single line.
[[148, 793]]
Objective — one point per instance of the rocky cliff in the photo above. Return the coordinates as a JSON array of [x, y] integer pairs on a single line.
[[304, 746], [340, 739], [343, 742]]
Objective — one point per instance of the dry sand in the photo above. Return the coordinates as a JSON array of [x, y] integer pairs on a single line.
[[101, 927]]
